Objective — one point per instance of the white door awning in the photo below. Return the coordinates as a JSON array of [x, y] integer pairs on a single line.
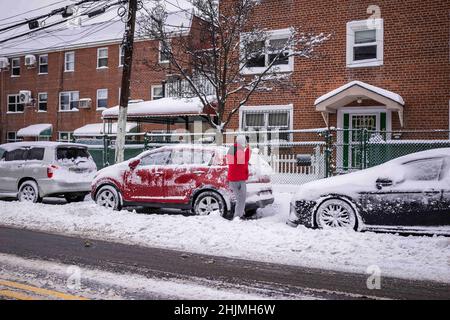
[[355, 90], [36, 131], [96, 129]]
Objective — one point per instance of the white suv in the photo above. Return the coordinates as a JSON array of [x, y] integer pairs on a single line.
[[33, 170]]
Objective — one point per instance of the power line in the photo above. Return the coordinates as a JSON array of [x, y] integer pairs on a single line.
[[21, 14]]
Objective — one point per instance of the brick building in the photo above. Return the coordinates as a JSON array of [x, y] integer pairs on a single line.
[[386, 66], [72, 65]]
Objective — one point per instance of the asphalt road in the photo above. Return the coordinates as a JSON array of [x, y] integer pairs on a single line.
[[273, 279]]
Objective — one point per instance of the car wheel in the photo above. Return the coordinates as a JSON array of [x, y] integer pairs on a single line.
[[108, 197], [29, 192], [74, 198], [208, 202], [336, 213]]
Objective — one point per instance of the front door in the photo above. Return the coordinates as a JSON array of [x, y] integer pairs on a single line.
[[359, 127], [145, 184]]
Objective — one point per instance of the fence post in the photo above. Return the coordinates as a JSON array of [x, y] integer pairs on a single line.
[[146, 141], [105, 150], [328, 151]]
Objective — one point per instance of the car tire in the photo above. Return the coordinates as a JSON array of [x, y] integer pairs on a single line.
[[74, 198], [29, 192], [208, 202], [109, 197], [336, 213]]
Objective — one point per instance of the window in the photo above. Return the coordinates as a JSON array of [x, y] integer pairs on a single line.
[[11, 136], [69, 61], [15, 67], [156, 159], [164, 53], [365, 43], [42, 101], [260, 54], [15, 155], [68, 101], [65, 136], [268, 119], [71, 153], [14, 104], [43, 64], [424, 169], [192, 157], [157, 92], [102, 58], [35, 154], [121, 55], [102, 98]]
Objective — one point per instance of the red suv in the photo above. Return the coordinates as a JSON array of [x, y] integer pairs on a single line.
[[187, 177]]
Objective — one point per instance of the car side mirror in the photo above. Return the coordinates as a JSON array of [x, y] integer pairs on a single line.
[[383, 182], [134, 163]]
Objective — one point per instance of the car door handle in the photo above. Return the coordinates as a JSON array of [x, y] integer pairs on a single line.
[[198, 172], [431, 192], [158, 173]]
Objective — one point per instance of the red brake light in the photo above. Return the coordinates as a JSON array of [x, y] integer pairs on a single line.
[[50, 171]]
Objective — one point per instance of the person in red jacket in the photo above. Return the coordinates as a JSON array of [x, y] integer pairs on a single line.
[[238, 157]]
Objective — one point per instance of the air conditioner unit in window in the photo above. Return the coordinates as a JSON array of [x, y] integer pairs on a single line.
[[30, 61], [25, 97], [4, 63], [85, 103]]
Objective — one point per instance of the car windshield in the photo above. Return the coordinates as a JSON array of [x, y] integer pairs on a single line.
[[2, 153], [71, 153]]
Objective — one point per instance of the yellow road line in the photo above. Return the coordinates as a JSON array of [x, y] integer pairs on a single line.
[[15, 295], [40, 291]]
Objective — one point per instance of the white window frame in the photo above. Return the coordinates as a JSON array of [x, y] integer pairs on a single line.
[[120, 55], [96, 101], [271, 35], [363, 25], [17, 67], [43, 64], [158, 86], [66, 54], [69, 133], [266, 110], [16, 103], [39, 102], [98, 58], [15, 135], [159, 53], [70, 100]]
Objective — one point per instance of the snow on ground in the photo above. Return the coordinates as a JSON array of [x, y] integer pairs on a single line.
[[266, 239], [97, 284]]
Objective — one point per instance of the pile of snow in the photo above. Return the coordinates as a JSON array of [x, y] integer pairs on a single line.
[[34, 130], [266, 239], [94, 129]]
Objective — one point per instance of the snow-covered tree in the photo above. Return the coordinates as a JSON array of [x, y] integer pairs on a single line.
[[221, 46]]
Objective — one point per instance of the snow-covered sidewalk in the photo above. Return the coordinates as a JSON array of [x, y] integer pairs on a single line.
[[267, 239]]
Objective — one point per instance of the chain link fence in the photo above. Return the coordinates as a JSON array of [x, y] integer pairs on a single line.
[[296, 156]]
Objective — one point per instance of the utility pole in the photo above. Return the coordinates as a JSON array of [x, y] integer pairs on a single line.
[[126, 76]]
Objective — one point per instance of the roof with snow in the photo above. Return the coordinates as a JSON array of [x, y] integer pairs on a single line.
[[65, 37], [96, 129], [165, 107], [36, 130], [388, 94]]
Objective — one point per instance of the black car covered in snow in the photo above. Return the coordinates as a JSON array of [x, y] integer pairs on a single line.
[[410, 194]]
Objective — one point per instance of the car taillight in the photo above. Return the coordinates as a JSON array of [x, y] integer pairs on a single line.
[[50, 171]]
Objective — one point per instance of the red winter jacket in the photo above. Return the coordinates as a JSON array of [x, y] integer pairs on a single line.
[[237, 160]]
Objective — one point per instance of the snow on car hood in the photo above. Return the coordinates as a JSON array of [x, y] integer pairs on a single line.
[[114, 172], [348, 184]]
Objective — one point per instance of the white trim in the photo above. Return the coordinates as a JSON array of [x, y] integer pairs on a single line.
[[98, 57], [361, 25], [39, 64], [16, 103], [96, 100], [70, 100], [271, 35], [70, 133], [288, 107], [159, 53], [38, 102], [151, 91], [65, 61], [120, 56], [12, 68]]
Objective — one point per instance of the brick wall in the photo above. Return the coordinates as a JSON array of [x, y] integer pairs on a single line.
[[416, 57]]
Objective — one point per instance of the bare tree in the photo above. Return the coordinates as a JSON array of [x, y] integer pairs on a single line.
[[217, 55]]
